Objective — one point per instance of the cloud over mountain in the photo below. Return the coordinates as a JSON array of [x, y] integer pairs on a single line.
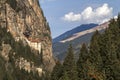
[[89, 15]]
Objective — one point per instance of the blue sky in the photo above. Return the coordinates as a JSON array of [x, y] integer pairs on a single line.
[[64, 15]]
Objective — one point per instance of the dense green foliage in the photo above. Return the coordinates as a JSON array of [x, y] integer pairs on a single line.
[[82, 65], [57, 71], [67, 71], [98, 61], [69, 65]]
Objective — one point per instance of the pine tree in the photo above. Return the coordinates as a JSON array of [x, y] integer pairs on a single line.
[[95, 56], [109, 50], [65, 77], [95, 49], [118, 20], [57, 71], [81, 63], [69, 65], [118, 37]]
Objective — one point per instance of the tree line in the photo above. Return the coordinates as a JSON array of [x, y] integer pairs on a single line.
[[98, 61]]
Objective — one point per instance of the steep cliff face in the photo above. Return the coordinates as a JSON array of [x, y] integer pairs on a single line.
[[24, 19]]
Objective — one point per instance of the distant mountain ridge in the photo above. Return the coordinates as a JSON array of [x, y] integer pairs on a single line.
[[76, 38], [69, 33]]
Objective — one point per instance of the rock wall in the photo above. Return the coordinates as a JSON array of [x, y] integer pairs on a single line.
[[24, 19]]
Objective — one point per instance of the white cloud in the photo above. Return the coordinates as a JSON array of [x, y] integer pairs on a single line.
[[87, 13], [91, 15], [72, 17], [115, 17]]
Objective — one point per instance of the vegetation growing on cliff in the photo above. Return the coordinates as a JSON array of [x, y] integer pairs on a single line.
[[9, 70]]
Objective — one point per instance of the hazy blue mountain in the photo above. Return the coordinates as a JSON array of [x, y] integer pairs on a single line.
[[76, 37], [73, 31]]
